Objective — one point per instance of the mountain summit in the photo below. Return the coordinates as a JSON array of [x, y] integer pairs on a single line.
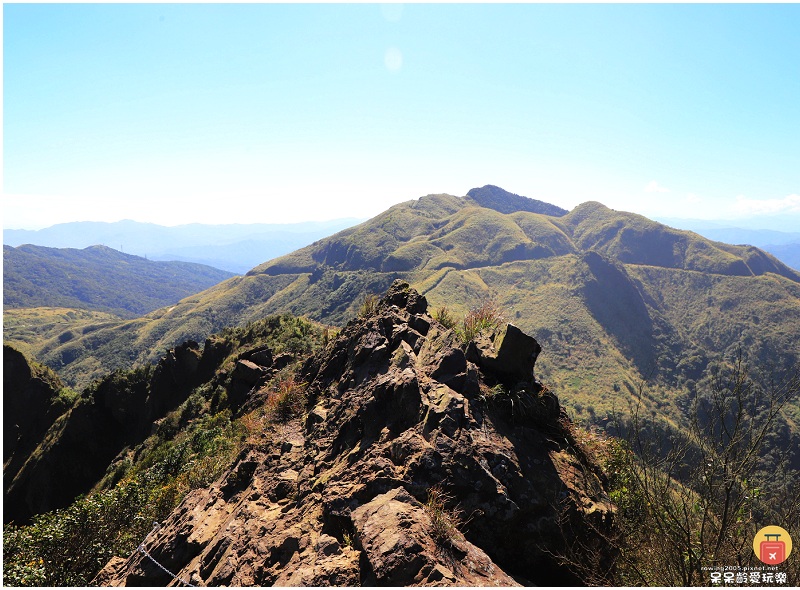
[[493, 197]]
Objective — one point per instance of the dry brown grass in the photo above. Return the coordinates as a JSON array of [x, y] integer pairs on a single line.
[[286, 400]]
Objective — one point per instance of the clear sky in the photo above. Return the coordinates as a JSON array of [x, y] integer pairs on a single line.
[[220, 113]]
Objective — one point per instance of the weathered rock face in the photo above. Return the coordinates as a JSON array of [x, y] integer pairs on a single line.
[[396, 408], [30, 406], [28, 395], [507, 351], [64, 451]]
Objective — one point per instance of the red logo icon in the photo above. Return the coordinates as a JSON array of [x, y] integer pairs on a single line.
[[772, 552]]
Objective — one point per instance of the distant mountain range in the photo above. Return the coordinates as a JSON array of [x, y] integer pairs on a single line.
[[232, 247], [784, 245], [784, 223]]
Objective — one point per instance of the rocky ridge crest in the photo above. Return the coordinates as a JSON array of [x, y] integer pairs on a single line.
[[396, 407]]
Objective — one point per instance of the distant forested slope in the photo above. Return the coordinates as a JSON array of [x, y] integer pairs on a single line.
[[98, 278]]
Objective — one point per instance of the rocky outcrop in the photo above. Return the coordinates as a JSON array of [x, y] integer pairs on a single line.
[[31, 404], [70, 450], [507, 351], [339, 497]]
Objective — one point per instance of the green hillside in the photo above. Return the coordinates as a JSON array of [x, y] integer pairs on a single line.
[[27, 328], [98, 278], [612, 296]]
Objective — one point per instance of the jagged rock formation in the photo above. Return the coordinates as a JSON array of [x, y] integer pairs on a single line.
[[396, 408], [30, 406], [69, 450]]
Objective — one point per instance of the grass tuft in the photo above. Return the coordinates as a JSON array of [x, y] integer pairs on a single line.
[[444, 317], [487, 316], [445, 522], [369, 306], [286, 400]]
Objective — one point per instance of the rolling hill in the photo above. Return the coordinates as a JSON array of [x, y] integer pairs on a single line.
[[784, 245], [611, 296], [98, 278]]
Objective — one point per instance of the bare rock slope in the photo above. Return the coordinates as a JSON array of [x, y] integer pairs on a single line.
[[397, 408]]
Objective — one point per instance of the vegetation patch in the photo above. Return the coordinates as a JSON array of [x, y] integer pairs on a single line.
[[98, 278], [690, 501], [486, 316], [287, 399], [445, 522], [369, 305]]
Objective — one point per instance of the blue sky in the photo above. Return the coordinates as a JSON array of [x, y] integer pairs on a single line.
[[220, 113]]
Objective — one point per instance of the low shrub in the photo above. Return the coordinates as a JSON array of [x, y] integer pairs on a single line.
[[69, 547]]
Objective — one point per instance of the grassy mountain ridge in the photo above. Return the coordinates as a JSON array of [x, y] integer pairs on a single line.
[[98, 278], [608, 294], [634, 239], [441, 231], [417, 234], [493, 197], [784, 245]]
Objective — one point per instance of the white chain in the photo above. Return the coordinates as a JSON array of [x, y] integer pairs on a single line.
[[142, 550]]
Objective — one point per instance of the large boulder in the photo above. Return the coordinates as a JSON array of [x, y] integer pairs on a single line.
[[247, 371], [395, 532], [506, 350]]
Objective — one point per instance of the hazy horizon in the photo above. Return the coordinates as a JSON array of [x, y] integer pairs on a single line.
[[279, 113], [769, 222]]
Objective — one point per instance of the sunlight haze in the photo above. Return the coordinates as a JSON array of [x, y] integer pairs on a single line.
[[272, 113]]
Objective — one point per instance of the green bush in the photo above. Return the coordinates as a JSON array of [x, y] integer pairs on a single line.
[[69, 547], [692, 501]]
